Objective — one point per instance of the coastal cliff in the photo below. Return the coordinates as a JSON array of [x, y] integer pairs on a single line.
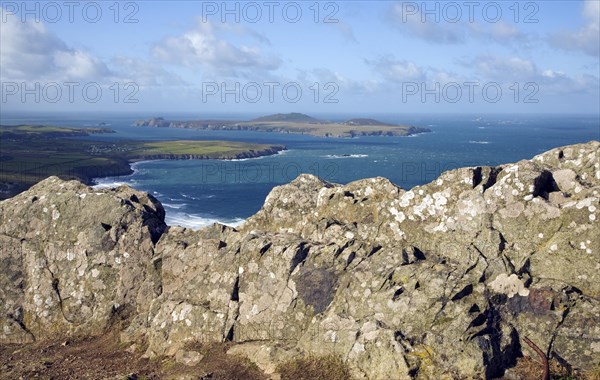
[[250, 153], [445, 279]]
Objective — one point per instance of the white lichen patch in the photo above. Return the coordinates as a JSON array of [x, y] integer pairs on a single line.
[[398, 215], [398, 233], [440, 200], [584, 203], [509, 285], [406, 198]]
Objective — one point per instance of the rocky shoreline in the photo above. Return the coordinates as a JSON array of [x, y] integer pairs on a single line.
[[252, 153], [451, 279]]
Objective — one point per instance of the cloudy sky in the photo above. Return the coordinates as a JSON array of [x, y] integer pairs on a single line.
[[320, 57]]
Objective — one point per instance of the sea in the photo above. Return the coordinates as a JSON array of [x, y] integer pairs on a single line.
[[197, 193]]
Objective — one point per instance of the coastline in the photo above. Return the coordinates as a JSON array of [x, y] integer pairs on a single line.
[[121, 165], [134, 162], [175, 215]]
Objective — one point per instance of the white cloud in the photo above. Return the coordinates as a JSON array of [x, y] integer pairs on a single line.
[[509, 70], [587, 37], [443, 30], [500, 32], [203, 48], [424, 27], [146, 74], [396, 70], [504, 68], [31, 52]]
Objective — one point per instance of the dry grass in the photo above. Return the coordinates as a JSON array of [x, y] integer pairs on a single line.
[[593, 374], [329, 367], [528, 368], [217, 364]]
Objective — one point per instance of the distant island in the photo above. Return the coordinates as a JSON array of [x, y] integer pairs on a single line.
[[31, 153], [292, 123]]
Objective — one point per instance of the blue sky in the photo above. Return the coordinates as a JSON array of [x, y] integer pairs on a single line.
[[320, 57]]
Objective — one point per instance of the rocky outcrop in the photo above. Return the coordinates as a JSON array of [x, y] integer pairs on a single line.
[[74, 261], [444, 279]]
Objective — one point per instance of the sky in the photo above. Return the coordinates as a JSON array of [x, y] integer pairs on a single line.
[[354, 57]]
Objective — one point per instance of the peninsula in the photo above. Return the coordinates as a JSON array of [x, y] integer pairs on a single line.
[[293, 123], [31, 153]]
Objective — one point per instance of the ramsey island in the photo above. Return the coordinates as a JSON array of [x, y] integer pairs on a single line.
[[293, 123]]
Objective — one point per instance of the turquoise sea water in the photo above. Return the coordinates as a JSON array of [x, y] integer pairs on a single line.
[[199, 192]]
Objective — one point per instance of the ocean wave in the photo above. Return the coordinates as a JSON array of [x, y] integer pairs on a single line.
[[107, 183], [196, 198], [194, 222], [190, 197], [281, 152], [478, 142], [135, 166], [176, 206], [347, 155]]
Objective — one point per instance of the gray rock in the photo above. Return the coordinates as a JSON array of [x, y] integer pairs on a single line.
[[443, 279]]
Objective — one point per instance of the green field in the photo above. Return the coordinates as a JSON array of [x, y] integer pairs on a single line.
[[45, 131], [29, 154], [217, 149]]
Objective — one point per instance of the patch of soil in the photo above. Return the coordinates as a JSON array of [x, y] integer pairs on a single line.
[[103, 358], [94, 358]]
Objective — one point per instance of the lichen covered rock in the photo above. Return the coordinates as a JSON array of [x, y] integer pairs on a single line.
[[74, 260], [443, 279]]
